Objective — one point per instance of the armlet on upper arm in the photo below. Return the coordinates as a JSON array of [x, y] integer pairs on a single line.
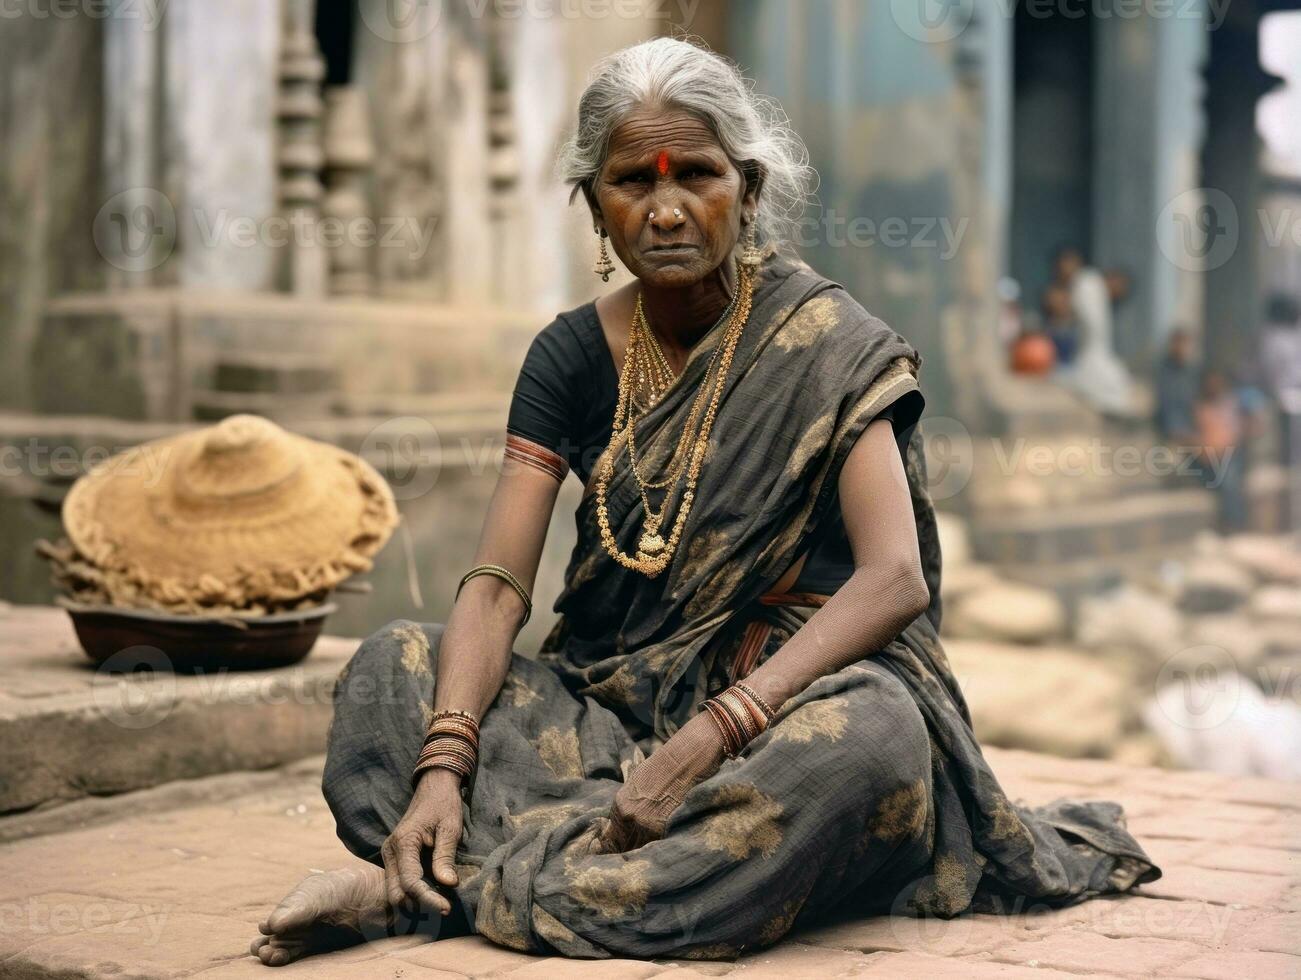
[[529, 453]]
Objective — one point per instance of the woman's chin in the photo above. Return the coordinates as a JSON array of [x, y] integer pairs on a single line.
[[673, 271]]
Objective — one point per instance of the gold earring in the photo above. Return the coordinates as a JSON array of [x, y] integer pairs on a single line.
[[751, 257], [603, 266]]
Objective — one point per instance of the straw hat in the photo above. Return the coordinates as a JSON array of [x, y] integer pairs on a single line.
[[235, 515]]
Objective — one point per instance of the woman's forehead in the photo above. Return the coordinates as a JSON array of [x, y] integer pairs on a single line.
[[644, 134]]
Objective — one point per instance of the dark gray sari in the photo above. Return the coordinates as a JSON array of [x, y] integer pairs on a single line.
[[869, 791]]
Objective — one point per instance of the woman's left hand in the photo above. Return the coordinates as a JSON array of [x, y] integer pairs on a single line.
[[655, 788]]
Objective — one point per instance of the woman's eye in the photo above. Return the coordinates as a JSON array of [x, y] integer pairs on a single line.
[[632, 179]]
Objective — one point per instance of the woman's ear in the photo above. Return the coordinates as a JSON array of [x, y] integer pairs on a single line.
[[598, 220], [754, 173]]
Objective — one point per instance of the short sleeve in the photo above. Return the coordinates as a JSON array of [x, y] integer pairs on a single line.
[[904, 413], [540, 426]]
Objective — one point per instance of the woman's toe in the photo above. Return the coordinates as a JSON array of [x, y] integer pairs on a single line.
[[295, 912]]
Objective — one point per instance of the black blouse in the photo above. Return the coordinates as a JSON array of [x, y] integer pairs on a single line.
[[565, 398]]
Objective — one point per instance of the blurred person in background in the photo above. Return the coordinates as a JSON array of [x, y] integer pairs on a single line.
[[1224, 424], [1280, 354], [1177, 384], [1059, 321], [1095, 372], [729, 730]]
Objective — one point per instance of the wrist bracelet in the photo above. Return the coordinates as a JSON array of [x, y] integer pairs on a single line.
[[452, 742], [741, 715]]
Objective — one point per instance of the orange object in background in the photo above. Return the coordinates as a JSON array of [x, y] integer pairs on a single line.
[[1033, 353]]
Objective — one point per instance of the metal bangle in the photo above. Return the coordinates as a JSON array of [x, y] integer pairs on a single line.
[[503, 574]]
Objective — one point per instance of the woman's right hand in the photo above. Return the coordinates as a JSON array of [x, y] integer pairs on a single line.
[[432, 821]]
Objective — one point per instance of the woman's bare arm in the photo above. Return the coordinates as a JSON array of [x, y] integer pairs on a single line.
[[475, 651], [887, 590], [473, 658], [885, 593]]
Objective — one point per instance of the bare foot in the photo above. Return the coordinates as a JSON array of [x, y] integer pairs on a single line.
[[328, 910]]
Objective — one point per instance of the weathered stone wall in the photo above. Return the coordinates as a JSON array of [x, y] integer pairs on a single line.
[[50, 84]]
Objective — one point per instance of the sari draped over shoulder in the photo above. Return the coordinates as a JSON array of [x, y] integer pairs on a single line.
[[811, 370], [869, 790]]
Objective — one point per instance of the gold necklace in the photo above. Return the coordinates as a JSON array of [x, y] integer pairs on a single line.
[[679, 457], [653, 552]]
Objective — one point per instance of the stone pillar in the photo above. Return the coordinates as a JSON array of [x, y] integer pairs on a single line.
[[301, 158], [1147, 136], [349, 153], [395, 64], [133, 154], [189, 144]]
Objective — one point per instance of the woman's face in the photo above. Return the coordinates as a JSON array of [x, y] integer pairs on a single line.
[[662, 160]]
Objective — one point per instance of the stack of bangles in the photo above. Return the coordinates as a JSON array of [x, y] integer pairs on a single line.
[[451, 743], [740, 715]]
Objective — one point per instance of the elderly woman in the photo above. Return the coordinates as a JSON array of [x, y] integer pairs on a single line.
[[743, 717]]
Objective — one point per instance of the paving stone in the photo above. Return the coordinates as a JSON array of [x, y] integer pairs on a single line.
[[1236, 965], [1224, 887], [559, 968], [1278, 933], [1137, 917], [472, 956], [798, 961], [915, 964], [961, 936], [1247, 857], [1077, 951]]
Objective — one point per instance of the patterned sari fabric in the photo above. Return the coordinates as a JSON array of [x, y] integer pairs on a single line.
[[868, 791]]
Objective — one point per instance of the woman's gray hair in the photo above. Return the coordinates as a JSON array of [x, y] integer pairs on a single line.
[[751, 129]]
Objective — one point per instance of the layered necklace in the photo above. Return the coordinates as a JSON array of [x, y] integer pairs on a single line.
[[645, 377]]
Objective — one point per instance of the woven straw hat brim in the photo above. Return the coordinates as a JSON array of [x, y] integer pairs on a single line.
[[130, 518]]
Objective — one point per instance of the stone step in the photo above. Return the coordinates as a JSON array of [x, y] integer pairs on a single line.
[[69, 730], [1107, 529]]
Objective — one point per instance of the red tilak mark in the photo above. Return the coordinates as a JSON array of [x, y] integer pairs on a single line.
[[662, 162]]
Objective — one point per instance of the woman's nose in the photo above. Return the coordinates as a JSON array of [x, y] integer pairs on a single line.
[[666, 217]]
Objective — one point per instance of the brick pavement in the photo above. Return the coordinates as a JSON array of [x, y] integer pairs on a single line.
[[175, 890]]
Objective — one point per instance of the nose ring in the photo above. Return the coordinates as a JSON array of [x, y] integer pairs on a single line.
[[677, 213], [651, 216]]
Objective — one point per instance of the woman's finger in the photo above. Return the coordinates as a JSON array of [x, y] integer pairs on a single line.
[[411, 876], [392, 887], [446, 837]]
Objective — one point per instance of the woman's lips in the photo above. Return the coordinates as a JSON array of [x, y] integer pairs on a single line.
[[673, 249]]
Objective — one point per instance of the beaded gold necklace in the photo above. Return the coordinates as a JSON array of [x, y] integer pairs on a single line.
[[640, 366]]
